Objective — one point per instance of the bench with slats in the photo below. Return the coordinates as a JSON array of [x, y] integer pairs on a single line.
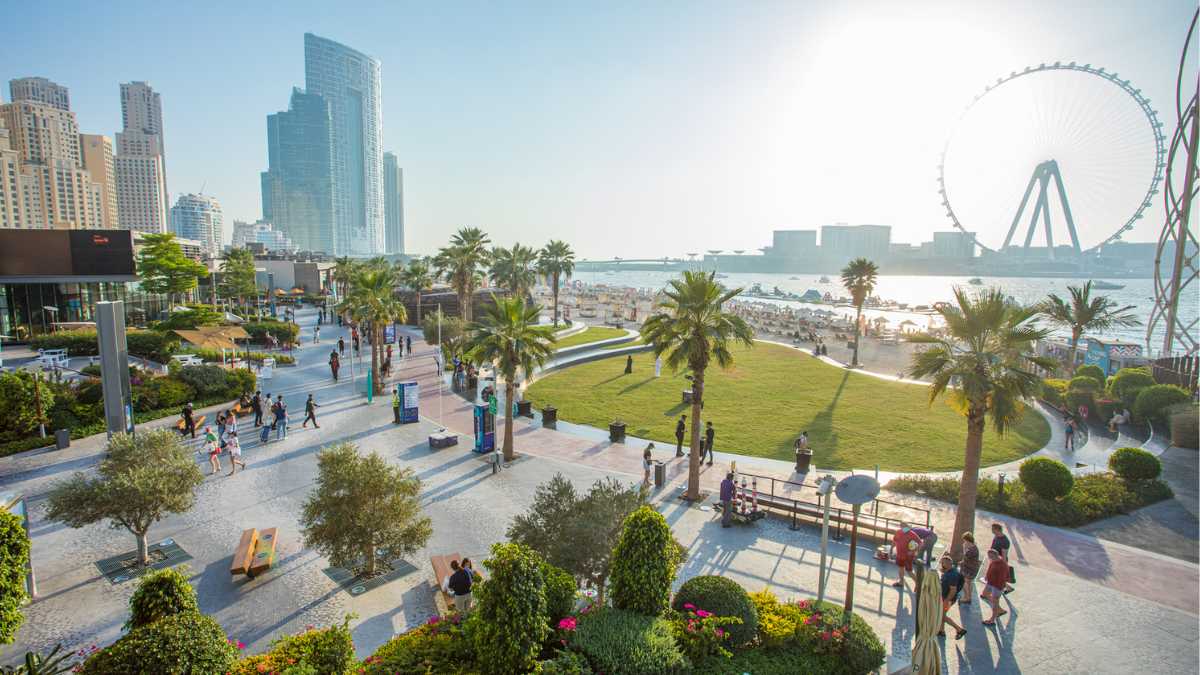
[[181, 425], [255, 552], [441, 571]]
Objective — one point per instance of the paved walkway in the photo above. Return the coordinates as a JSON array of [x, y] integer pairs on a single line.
[[1076, 593]]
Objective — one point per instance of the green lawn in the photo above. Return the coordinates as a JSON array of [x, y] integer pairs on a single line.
[[772, 394], [593, 334]]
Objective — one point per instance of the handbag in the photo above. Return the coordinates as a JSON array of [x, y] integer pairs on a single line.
[[1012, 575]]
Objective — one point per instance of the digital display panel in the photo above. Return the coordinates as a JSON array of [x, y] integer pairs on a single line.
[[66, 253]]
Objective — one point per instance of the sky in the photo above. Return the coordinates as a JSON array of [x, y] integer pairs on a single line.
[[632, 129]]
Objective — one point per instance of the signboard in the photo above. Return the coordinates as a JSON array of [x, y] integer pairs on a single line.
[[410, 397], [485, 429], [66, 253], [389, 333]]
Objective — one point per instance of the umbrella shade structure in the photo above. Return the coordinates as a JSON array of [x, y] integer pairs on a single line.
[[880, 320], [927, 655], [233, 318], [205, 340]]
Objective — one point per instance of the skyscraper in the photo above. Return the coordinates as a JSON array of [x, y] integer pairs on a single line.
[[96, 152], [142, 197], [349, 81], [393, 203], [40, 90], [199, 217], [297, 187]]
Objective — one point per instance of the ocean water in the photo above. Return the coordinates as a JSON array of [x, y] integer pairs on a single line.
[[926, 290]]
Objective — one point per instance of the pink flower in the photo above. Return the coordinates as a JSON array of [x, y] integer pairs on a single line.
[[703, 614], [241, 645], [720, 632], [688, 605], [567, 623]]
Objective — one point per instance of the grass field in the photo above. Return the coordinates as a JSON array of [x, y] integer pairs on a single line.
[[593, 334], [772, 394]]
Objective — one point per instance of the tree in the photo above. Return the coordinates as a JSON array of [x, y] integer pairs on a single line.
[[1083, 313], [363, 505], [19, 401], [576, 532], [461, 264], [418, 278], [509, 337], [163, 268], [141, 480], [556, 261], [984, 368], [510, 622], [859, 276], [371, 298], [343, 269], [237, 275], [693, 328], [14, 561], [514, 269], [646, 558]]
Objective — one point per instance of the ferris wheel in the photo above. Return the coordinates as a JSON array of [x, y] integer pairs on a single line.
[[1034, 137]]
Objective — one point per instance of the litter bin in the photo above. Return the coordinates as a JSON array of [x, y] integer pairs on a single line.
[[525, 408], [550, 417], [616, 432], [803, 460], [62, 439], [660, 474]]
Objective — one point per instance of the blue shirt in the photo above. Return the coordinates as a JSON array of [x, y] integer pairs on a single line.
[[952, 581], [726, 490]]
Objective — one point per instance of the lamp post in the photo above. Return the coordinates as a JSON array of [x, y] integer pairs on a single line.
[[825, 489]]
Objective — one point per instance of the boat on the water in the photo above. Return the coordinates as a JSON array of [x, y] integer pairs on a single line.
[[975, 281], [823, 280], [1107, 286], [793, 278]]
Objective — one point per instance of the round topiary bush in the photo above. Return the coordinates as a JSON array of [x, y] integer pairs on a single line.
[[1093, 371], [181, 643], [1084, 383], [644, 562], [1184, 420], [1152, 402], [1126, 384], [510, 621], [723, 597], [160, 594], [1054, 391], [1047, 478], [1134, 464]]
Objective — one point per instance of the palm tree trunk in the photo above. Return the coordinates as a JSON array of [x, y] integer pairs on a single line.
[[508, 423], [857, 330], [375, 359], [418, 308], [1075, 335], [556, 299], [693, 491], [968, 487]]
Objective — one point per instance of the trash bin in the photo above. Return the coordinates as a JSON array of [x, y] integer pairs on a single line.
[[62, 439], [550, 417], [660, 474], [616, 432], [525, 408], [803, 460]]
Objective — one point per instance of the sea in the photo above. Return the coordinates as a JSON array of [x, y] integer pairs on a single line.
[[926, 290]]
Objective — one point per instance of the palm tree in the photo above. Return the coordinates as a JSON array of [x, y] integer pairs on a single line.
[[461, 263], [556, 261], [1084, 313], [342, 271], [418, 279], [693, 328], [858, 276], [514, 269], [985, 365], [371, 298], [508, 336]]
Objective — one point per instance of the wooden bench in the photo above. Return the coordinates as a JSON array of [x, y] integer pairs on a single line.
[[441, 571], [255, 552], [238, 410], [199, 423]]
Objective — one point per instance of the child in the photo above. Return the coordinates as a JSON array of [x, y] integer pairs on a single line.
[[235, 453], [214, 451]]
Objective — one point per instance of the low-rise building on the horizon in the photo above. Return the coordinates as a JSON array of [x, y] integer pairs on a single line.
[[263, 234]]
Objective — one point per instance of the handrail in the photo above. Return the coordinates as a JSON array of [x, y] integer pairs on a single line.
[[837, 513]]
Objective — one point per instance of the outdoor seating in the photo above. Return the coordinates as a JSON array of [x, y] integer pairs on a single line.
[[180, 425], [441, 572], [255, 552]]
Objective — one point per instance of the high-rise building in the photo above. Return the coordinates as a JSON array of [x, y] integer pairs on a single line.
[[393, 203], [261, 232], [349, 81], [141, 171], [96, 152], [297, 187], [841, 243], [199, 217], [954, 244], [10, 183], [40, 90]]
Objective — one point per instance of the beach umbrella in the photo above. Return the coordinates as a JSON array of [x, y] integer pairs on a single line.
[[927, 657]]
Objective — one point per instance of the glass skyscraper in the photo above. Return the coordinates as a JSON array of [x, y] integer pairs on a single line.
[[298, 187], [349, 82], [393, 203]]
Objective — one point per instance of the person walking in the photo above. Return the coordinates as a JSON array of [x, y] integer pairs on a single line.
[[189, 420], [335, 364], [658, 366], [952, 586], [317, 334], [310, 413], [235, 454], [994, 578], [709, 434], [1001, 544], [1069, 435], [905, 544], [280, 425], [341, 346], [647, 464], [256, 405], [680, 429], [221, 429], [969, 567], [214, 451], [727, 500], [629, 364], [231, 424], [928, 539], [459, 585], [408, 344], [396, 405]]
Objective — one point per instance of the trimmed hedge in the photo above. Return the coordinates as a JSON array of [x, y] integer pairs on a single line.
[[182, 643], [1046, 478], [440, 646], [1054, 391], [147, 344], [1126, 384], [1084, 383], [1093, 371], [1134, 464], [723, 597], [284, 332], [328, 651], [1153, 401], [14, 558], [619, 642], [644, 562], [510, 622], [160, 594]]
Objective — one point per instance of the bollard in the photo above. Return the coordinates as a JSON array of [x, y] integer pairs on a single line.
[[1000, 489]]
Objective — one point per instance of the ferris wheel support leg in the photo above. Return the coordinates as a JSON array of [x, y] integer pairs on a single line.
[[1038, 208], [1020, 210], [1066, 206]]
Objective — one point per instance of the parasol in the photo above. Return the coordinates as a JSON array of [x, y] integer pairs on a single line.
[[927, 657]]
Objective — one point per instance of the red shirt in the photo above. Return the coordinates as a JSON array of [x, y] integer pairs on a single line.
[[997, 574], [900, 543]]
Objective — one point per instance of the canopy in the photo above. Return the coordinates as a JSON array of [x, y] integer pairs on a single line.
[[233, 318], [927, 657], [205, 340]]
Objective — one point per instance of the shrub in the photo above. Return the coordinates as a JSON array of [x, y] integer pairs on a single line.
[[191, 318], [618, 642], [1054, 391], [205, 380], [152, 345], [284, 332], [14, 559], [793, 629], [1093, 371], [1153, 401], [160, 594], [644, 562], [1047, 478], [1134, 464], [560, 592], [1077, 399], [1127, 382], [24, 444], [1083, 383], [566, 663], [91, 369], [182, 643], [239, 381], [1184, 421], [452, 327], [17, 398], [439, 646], [161, 392], [701, 634], [328, 651], [723, 597], [511, 620]]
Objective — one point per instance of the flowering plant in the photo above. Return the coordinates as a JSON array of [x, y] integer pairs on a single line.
[[701, 633]]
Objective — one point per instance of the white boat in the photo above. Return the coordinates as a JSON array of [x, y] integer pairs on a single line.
[[975, 281], [1107, 286], [823, 280]]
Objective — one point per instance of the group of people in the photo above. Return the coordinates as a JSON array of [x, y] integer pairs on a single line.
[[706, 443], [224, 440], [957, 578], [225, 437], [459, 582]]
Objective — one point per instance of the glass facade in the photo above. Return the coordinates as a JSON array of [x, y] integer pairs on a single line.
[[23, 307], [297, 188]]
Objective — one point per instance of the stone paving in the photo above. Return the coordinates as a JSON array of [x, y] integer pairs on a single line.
[[1083, 605]]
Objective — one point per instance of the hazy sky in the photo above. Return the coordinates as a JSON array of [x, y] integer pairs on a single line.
[[627, 128]]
